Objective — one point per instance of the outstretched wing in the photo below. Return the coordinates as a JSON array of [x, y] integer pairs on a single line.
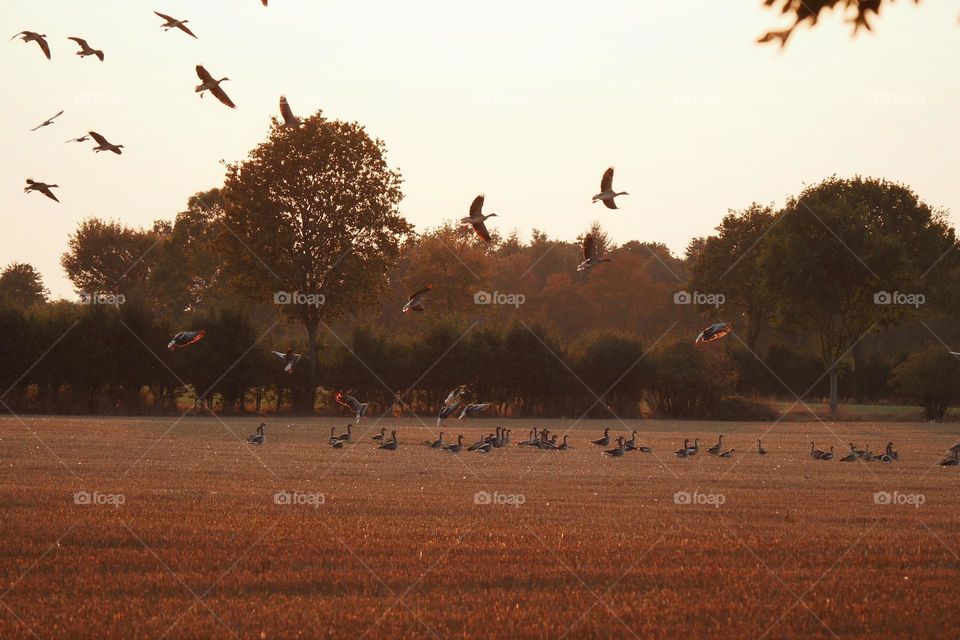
[[476, 208], [79, 41], [99, 138], [481, 230], [347, 401], [44, 47], [223, 97], [417, 294], [287, 112], [203, 74], [587, 247], [606, 183], [166, 17]]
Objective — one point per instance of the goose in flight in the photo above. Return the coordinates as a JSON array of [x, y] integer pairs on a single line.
[[80, 139], [714, 332], [39, 38], [172, 23], [476, 218], [473, 409], [48, 121], [207, 83], [41, 187], [103, 144], [416, 299], [289, 358], [259, 436], [607, 194], [457, 395], [86, 49], [590, 258], [185, 339], [360, 408], [445, 412], [290, 121]]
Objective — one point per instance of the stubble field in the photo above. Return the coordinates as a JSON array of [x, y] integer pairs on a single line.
[[185, 537]]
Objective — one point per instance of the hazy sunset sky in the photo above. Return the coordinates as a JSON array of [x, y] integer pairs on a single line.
[[527, 102]]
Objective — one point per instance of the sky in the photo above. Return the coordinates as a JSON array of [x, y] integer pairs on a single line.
[[527, 102]]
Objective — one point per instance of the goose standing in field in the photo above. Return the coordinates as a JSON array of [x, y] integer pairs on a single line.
[[290, 121], [760, 450], [438, 443], [336, 443], [333, 436], [455, 448], [617, 451], [695, 449], [103, 144], [473, 409], [476, 218], [289, 359], [850, 457], [393, 444], [815, 453], [39, 38], [485, 447], [207, 83], [827, 455], [683, 452], [479, 443], [604, 441], [860, 452], [529, 441], [607, 194], [259, 436], [590, 258], [48, 121], [714, 332], [348, 436], [644, 449], [727, 454], [717, 448], [416, 299], [631, 444], [379, 437], [890, 455], [360, 408], [951, 460], [564, 446], [86, 49], [185, 339], [41, 187], [172, 23]]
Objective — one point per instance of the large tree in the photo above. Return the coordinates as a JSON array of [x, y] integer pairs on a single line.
[[727, 264], [109, 257], [312, 215], [840, 251], [21, 285]]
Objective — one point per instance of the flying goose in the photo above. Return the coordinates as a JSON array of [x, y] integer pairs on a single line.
[[103, 144], [715, 449], [416, 299], [80, 139], [476, 218], [604, 441], [393, 444], [172, 23], [445, 411], [41, 187], [39, 38], [607, 194], [714, 332], [590, 258], [353, 404], [289, 358], [290, 121], [473, 409], [727, 454], [207, 83], [617, 451], [86, 49], [259, 437], [760, 450], [48, 121], [185, 339]]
